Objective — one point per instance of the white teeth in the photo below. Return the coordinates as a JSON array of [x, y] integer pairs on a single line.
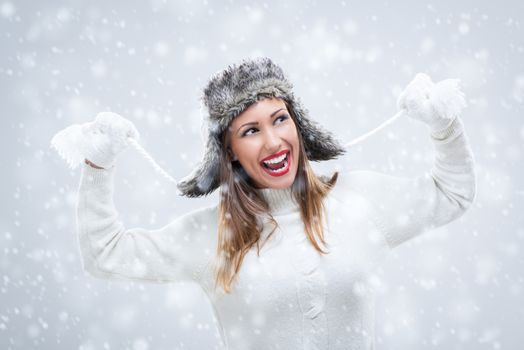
[[276, 160]]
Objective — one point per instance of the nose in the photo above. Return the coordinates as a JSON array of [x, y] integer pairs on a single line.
[[272, 141]]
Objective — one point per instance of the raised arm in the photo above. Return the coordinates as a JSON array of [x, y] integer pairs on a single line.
[[406, 207], [179, 251]]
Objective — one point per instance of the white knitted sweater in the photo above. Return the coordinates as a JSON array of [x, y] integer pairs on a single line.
[[290, 297]]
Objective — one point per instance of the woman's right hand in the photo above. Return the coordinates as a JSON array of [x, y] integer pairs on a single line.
[[107, 136]]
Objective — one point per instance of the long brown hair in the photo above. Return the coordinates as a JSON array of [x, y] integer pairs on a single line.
[[241, 209]]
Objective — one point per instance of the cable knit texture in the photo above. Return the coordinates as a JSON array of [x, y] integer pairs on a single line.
[[289, 297]]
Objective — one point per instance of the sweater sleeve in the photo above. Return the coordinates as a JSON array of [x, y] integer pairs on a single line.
[[176, 252], [406, 207]]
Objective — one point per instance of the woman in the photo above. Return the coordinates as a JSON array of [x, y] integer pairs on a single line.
[[285, 256]]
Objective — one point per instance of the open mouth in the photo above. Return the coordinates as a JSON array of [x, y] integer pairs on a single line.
[[277, 166]]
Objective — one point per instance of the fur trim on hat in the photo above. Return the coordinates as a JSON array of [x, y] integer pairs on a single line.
[[229, 93]]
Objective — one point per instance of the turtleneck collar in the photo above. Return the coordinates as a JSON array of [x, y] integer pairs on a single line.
[[281, 201]]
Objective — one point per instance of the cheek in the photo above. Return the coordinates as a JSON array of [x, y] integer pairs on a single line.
[[292, 136], [247, 151]]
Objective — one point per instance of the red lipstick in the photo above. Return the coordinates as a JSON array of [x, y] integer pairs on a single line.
[[285, 168], [275, 155]]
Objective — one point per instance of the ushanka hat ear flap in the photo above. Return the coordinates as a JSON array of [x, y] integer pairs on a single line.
[[205, 178], [319, 144]]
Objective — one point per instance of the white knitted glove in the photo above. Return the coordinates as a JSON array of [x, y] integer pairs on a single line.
[[108, 135], [99, 141], [434, 104]]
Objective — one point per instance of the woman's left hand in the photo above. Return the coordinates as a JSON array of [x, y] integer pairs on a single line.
[[434, 104]]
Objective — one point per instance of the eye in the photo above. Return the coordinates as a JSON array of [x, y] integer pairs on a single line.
[[247, 132], [282, 118]]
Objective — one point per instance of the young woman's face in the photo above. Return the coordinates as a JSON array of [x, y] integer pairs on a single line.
[[264, 140]]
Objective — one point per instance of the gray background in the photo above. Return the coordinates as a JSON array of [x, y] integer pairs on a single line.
[[457, 287]]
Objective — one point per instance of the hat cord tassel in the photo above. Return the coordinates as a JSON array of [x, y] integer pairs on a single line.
[[150, 160], [377, 129]]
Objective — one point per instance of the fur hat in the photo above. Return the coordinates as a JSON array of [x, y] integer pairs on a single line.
[[230, 92]]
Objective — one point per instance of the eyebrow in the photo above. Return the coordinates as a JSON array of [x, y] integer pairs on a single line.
[[255, 123]]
